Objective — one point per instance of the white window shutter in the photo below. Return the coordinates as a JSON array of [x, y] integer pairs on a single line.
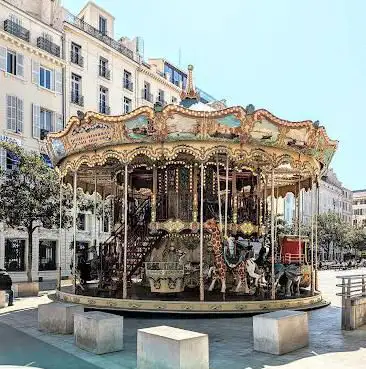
[[58, 81], [11, 111], [2, 58], [35, 72], [20, 65], [2, 159], [59, 123], [36, 121], [20, 115]]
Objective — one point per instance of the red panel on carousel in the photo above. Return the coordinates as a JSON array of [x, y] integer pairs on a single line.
[[290, 249]]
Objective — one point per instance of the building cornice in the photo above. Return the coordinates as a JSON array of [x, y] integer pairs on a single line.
[[32, 49], [159, 78]]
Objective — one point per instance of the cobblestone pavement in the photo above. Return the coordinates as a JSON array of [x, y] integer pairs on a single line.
[[231, 344]]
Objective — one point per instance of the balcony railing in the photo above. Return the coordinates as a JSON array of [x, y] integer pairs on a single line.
[[76, 58], [16, 30], [77, 99], [48, 46], [147, 96], [104, 109], [78, 23], [161, 101], [127, 84], [105, 73]]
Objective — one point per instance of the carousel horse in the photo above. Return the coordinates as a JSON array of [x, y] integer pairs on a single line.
[[220, 267]]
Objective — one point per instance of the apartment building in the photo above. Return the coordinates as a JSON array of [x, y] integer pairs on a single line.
[[359, 208], [53, 64]]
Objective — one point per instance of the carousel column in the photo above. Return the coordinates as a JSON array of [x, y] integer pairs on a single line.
[[265, 203], [195, 195], [273, 289], [125, 235], [312, 237], [154, 194], [218, 190], [74, 227], [202, 286], [316, 232], [60, 236], [298, 219], [226, 192], [234, 198], [95, 209]]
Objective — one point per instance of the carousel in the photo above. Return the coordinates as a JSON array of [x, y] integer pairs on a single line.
[[195, 193]]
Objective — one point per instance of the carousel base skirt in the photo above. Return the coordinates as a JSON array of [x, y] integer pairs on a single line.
[[240, 307]]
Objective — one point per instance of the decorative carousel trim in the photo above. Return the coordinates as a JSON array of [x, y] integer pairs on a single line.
[[228, 307]]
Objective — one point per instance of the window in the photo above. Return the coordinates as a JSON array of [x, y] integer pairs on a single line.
[[46, 122], [146, 92], [106, 224], [45, 78], [14, 255], [127, 80], [76, 89], [12, 160], [103, 68], [161, 96], [81, 222], [174, 100], [127, 105], [76, 57], [14, 114], [47, 255], [102, 25], [103, 100], [11, 62]]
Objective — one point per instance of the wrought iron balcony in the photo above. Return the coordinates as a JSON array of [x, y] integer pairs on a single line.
[[104, 72], [76, 58], [146, 95], [48, 46], [16, 30], [161, 101], [127, 84], [78, 23], [104, 109], [77, 99]]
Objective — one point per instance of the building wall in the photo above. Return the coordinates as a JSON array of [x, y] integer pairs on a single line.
[[359, 208]]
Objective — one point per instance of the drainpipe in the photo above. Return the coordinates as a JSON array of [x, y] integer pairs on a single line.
[[63, 43]]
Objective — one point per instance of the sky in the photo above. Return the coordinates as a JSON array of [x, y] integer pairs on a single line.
[[298, 59]]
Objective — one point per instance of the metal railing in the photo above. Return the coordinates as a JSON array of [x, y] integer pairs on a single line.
[[352, 286], [162, 265], [127, 84], [77, 99], [104, 109], [16, 30], [104, 72], [76, 58], [79, 23], [292, 258], [47, 45], [147, 96]]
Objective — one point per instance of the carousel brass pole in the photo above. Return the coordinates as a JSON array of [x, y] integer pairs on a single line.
[[202, 286], [195, 194], [273, 290], [154, 194], [74, 227], [316, 233], [95, 209], [299, 226], [60, 235], [234, 198], [226, 192], [265, 204], [219, 190], [312, 237], [125, 235]]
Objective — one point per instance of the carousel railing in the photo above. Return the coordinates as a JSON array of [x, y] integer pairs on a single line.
[[292, 259], [163, 265]]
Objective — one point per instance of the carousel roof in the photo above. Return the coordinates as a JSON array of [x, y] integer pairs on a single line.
[[245, 134]]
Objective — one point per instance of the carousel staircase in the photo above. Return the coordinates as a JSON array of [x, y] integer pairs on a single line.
[[139, 241]]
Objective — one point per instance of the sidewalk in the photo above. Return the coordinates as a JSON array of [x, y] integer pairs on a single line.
[[231, 344]]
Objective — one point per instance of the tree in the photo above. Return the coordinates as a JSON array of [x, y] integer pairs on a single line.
[[29, 196]]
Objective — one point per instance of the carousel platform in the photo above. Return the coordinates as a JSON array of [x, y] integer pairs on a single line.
[[233, 304]]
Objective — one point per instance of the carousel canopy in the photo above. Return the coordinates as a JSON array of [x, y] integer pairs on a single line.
[[249, 137]]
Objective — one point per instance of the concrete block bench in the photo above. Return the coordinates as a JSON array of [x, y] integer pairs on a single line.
[[4, 299], [57, 317], [171, 348], [280, 332], [98, 332]]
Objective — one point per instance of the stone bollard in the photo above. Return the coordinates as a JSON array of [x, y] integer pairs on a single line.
[[171, 348], [58, 317], [280, 332], [98, 332]]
